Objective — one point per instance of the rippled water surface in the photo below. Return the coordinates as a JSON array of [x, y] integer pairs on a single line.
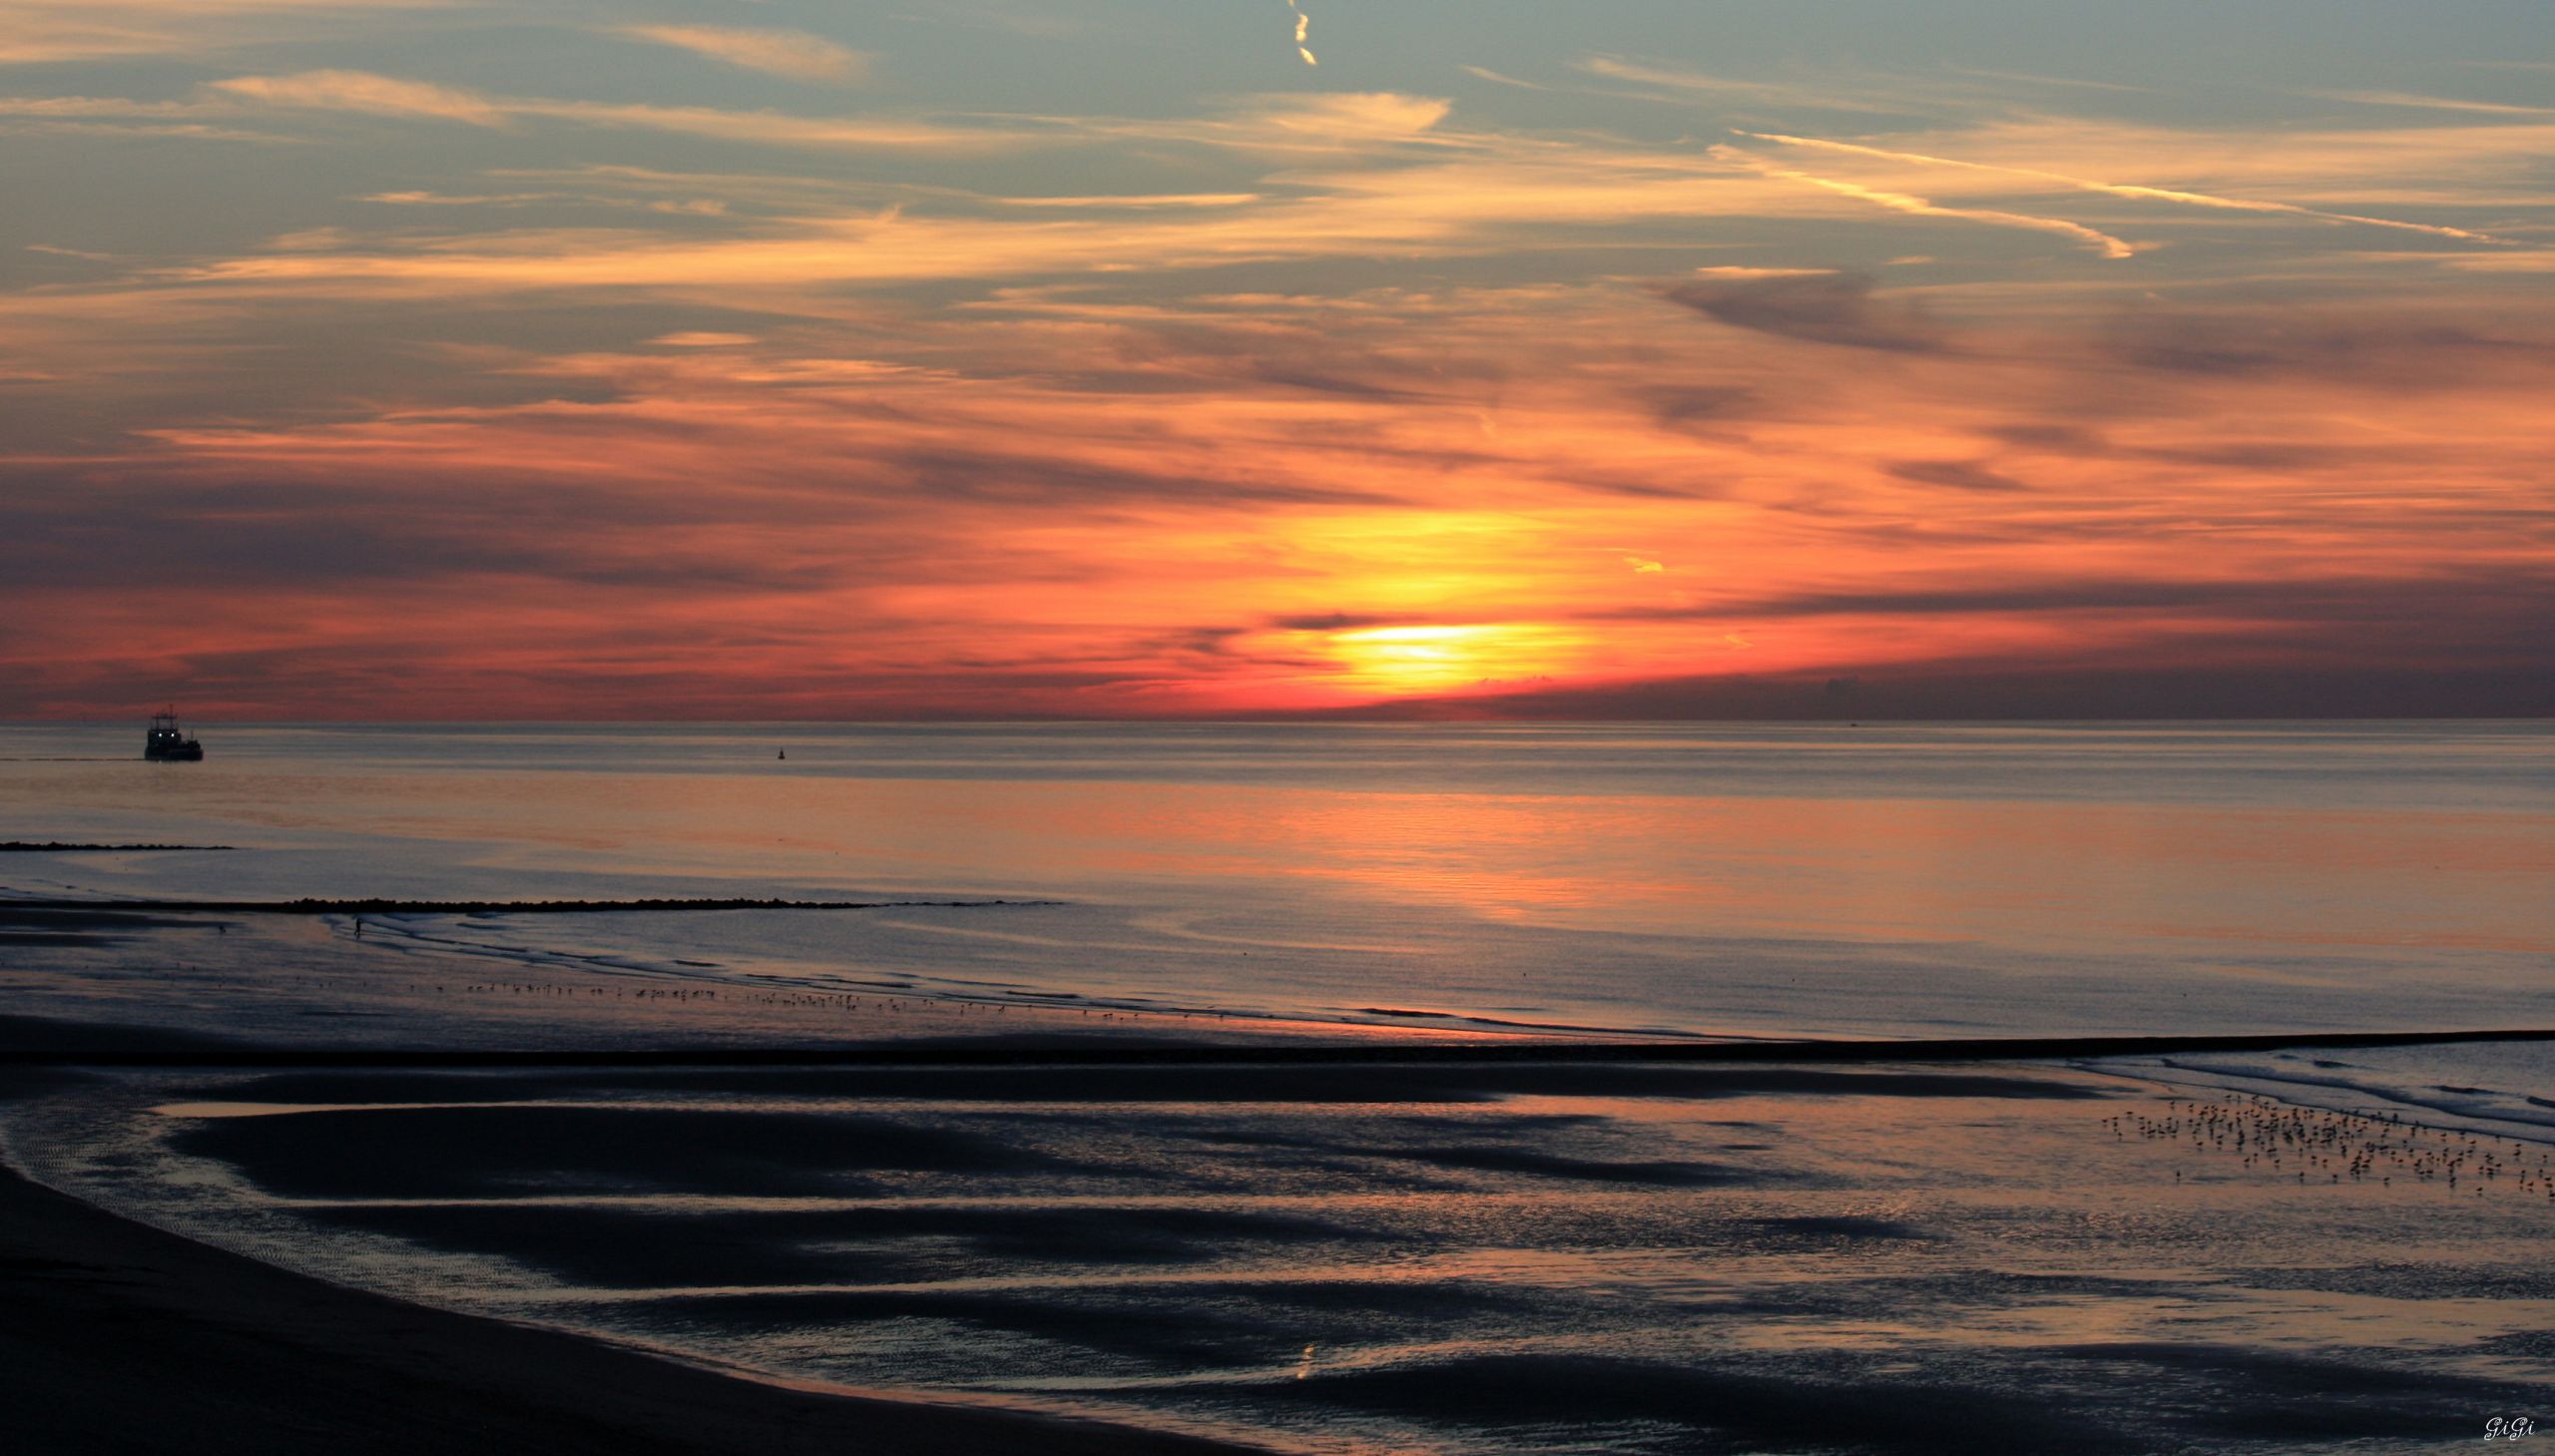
[[1887, 879]]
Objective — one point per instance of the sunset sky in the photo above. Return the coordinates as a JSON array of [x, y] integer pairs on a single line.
[[1112, 358]]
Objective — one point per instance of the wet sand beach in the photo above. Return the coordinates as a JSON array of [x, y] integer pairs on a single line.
[[122, 1337], [1441, 1253]]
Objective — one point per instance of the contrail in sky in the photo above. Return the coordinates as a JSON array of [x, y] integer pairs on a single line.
[[2119, 190], [1304, 28], [2102, 243]]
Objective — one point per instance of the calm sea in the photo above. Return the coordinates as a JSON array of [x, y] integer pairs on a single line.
[[1876, 880]]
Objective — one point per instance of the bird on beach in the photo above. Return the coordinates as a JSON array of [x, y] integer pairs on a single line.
[[2264, 1134]]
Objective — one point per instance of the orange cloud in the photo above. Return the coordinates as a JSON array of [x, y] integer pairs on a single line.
[[1328, 402], [375, 95], [789, 52], [1261, 513], [44, 32], [360, 90], [2197, 199], [2101, 242]]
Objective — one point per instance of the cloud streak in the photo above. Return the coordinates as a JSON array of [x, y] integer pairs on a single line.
[[2101, 243], [53, 32], [388, 96], [2118, 190], [364, 92], [794, 54]]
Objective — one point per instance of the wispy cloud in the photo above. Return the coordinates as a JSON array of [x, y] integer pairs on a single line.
[[789, 52], [2101, 242], [364, 92], [1467, 204], [2120, 189], [1486, 74], [1751, 271], [76, 116], [42, 32], [1136, 200], [421, 199], [1339, 116], [2417, 102], [1835, 97]]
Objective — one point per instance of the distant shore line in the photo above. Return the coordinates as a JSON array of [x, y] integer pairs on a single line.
[[308, 906], [1965, 1049], [55, 846]]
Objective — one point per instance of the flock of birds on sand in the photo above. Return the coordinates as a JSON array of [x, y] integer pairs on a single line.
[[2321, 1145]]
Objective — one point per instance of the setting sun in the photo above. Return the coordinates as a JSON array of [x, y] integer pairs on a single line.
[[1400, 660]]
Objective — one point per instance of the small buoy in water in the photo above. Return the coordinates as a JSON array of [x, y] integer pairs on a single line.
[[784, 752]]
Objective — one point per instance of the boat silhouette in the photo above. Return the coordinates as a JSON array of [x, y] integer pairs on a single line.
[[167, 745]]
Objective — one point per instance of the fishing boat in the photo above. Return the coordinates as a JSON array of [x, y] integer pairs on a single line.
[[167, 745]]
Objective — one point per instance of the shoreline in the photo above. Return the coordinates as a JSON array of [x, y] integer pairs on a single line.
[[140, 905], [124, 1336], [129, 1336], [132, 1338], [992, 1051]]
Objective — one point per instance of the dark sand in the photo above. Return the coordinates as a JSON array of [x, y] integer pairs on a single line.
[[119, 1337], [123, 1337], [2255, 1352]]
